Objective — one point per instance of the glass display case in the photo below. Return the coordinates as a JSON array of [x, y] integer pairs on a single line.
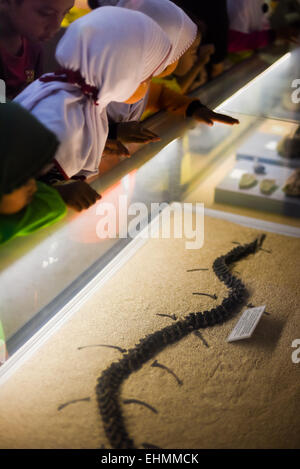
[[257, 173], [44, 278]]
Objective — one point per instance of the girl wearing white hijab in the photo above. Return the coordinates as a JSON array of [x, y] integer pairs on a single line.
[[182, 33], [107, 55]]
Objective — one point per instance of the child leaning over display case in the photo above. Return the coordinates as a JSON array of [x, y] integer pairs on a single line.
[[26, 147], [107, 55], [185, 38]]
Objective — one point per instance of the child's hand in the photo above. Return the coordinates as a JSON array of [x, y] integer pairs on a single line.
[[207, 116], [78, 195], [217, 69], [115, 148], [134, 132]]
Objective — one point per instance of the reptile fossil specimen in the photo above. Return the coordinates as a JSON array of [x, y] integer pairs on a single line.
[[111, 379]]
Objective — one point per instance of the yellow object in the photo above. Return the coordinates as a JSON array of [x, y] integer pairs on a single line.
[[164, 96], [237, 57], [274, 4], [171, 83], [74, 14]]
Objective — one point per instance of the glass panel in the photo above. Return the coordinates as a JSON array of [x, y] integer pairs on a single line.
[[41, 273], [274, 94], [259, 148]]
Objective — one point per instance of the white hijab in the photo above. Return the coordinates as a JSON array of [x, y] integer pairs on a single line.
[[179, 28], [115, 50], [177, 25], [247, 16]]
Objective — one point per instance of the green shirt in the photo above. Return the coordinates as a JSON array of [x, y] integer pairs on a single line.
[[46, 208]]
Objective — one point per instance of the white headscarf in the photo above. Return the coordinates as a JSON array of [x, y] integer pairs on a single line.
[[248, 16], [115, 50], [177, 25], [179, 28]]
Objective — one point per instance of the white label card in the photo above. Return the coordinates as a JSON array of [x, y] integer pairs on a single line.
[[246, 324]]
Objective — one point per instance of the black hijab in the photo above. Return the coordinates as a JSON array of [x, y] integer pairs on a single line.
[[26, 146]]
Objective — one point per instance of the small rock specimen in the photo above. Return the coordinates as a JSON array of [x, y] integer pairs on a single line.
[[289, 146], [268, 186], [292, 185], [247, 181]]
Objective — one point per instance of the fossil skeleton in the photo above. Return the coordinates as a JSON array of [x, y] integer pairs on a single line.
[[111, 379]]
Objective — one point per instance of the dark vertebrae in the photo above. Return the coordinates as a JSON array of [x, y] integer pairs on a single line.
[[109, 383]]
